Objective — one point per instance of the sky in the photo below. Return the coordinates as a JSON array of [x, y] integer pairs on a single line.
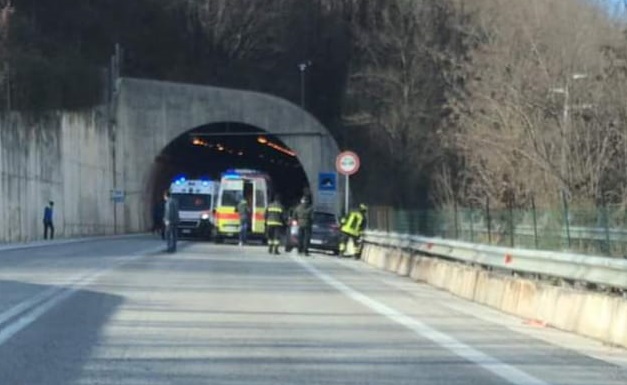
[[612, 5]]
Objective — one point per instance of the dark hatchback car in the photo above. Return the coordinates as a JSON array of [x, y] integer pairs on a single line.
[[325, 233]]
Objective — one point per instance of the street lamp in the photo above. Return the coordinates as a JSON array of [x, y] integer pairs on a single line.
[[566, 123], [303, 67]]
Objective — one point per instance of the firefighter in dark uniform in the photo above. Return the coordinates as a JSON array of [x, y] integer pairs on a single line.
[[275, 220], [352, 227]]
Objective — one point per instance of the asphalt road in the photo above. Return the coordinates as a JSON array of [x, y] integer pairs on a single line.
[[118, 312]]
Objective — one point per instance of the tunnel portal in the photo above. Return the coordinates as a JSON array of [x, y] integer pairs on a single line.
[[161, 129], [208, 151]]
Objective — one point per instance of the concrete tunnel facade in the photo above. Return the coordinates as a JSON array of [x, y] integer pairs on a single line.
[[151, 114]]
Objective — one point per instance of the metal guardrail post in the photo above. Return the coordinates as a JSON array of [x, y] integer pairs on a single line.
[[472, 230], [487, 207], [511, 224], [566, 218], [535, 221], [607, 249], [456, 218]]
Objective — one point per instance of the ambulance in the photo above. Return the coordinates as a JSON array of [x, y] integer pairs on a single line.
[[235, 185], [197, 200]]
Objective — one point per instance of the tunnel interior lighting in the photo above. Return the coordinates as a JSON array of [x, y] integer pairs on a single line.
[[199, 142], [281, 149], [263, 140]]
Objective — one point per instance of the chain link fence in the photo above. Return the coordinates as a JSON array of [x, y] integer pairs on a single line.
[[596, 231]]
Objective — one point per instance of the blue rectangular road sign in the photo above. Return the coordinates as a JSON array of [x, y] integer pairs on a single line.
[[117, 196], [327, 181]]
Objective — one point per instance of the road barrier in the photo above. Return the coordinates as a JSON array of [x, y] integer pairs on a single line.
[[603, 271], [476, 272]]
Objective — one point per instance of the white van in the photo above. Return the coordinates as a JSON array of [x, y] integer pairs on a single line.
[[197, 200]]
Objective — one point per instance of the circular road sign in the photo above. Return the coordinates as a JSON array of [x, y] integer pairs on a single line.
[[347, 163]]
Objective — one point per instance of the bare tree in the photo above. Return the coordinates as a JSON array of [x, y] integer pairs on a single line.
[[530, 117], [240, 28], [396, 88]]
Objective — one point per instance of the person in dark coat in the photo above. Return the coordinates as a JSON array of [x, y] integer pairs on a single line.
[[48, 220], [274, 220], [171, 221], [304, 216], [157, 219], [244, 220]]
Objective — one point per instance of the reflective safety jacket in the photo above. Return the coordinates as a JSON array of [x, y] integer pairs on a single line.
[[353, 224], [274, 214]]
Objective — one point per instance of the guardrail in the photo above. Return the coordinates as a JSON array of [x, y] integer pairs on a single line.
[[603, 271]]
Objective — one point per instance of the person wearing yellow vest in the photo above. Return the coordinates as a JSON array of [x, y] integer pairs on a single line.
[[352, 228], [275, 220]]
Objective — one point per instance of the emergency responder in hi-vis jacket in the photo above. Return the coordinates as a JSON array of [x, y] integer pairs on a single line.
[[353, 226], [275, 220]]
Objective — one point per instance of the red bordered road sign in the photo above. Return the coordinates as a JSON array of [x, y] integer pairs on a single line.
[[347, 163]]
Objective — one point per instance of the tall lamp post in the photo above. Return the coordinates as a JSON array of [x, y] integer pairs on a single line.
[[303, 67], [565, 152]]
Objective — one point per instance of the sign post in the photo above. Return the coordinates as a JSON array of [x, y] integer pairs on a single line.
[[347, 164]]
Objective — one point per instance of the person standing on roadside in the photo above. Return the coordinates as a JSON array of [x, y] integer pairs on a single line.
[[275, 220], [48, 222], [244, 219], [303, 215], [157, 219], [171, 221]]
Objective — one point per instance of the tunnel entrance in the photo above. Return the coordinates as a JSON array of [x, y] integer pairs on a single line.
[[207, 151]]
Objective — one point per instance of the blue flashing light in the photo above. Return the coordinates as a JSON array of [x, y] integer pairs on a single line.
[[205, 183], [231, 174]]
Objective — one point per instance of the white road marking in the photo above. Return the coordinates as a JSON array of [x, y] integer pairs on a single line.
[[38, 298], [508, 372], [42, 302]]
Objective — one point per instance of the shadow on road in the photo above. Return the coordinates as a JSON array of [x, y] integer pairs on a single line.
[[54, 348]]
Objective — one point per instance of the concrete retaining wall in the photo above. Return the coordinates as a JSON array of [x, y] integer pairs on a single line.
[[59, 156], [76, 159], [590, 314]]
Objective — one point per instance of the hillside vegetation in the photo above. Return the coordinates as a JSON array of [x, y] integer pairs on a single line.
[[446, 100]]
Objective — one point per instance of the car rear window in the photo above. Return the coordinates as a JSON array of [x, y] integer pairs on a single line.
[[324, 218]]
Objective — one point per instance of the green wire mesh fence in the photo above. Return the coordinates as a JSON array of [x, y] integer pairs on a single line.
[[596, 231]]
